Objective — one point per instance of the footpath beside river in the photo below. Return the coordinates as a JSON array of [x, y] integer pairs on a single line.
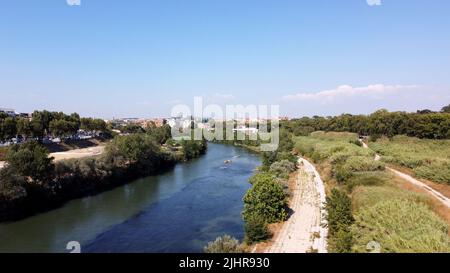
[[305, 229]]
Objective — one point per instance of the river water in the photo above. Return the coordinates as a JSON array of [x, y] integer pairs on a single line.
[[178, 211]]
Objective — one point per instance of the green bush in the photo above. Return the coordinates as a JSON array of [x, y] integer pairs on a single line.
[[266, 198], [362, 164], [31, 159], [256, 229], [339, 211], [367, 179], [400, 226], [12, 185], [341, 242], [224, 244]]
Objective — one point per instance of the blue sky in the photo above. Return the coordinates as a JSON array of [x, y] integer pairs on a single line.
[[122, 58]]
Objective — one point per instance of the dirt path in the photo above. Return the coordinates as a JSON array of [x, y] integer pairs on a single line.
[[303, 231], [78, 153], [436, 194]]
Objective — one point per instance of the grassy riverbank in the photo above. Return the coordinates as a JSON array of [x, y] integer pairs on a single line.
[[365, 203]]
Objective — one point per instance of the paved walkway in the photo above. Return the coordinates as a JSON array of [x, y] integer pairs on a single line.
[[303, 231]]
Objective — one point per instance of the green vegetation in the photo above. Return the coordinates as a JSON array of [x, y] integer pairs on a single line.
[[45, 123], [400, 226], [266, 198], [366, 204], [346, 158], [340, 218], [224, 244], [266, 201], [31, 181], [429, 159], [256, 229], [423, 124], [30, 160]]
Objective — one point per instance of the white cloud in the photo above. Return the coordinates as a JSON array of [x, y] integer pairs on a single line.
[[365, 99], [73, 2], [374, 91], [374, 2]]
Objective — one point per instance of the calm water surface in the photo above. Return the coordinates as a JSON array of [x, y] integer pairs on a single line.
[[179, 211]]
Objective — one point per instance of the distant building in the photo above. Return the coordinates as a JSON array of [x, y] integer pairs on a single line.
[[9, 112]]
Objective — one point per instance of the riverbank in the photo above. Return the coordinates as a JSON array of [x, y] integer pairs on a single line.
[[127, 158], [305, 230], [180, 210]]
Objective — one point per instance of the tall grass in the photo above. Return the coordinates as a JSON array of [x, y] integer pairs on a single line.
[[398, 219], [429, 159], [400, 226]]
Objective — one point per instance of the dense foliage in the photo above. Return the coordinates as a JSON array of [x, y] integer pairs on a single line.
[[340, 218], [400, 226], [424, 124], [30, 160], [45, 123], [266, 198], [256, 229], [31, 181]]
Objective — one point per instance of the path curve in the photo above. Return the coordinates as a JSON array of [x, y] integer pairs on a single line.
[[305, 230], [436, 194]]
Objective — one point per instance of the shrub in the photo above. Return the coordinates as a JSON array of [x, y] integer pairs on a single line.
[[342, 174], [266, 198], [341, 242], [362, 164], [339, 211], [224, 244], [31, 159], [256, 229], [12, 185], [367, 179], [282, 168], [400, 226], [261, 176]]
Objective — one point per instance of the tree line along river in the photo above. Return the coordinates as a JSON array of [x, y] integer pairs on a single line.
[[178, 211]]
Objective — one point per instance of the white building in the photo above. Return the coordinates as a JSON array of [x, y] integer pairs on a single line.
[[9, 112]]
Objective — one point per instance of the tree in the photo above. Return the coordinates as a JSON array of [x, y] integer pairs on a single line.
[[9, 128], [30, 159], [446, 109], [266, 198], [256, 229], [24, 127], [224, 244], [62, 128]]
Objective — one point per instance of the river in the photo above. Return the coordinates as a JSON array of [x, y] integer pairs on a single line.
[[178, 211]]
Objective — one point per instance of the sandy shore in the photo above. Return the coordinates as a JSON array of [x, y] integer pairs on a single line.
[[303, 231], [78, 153]]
